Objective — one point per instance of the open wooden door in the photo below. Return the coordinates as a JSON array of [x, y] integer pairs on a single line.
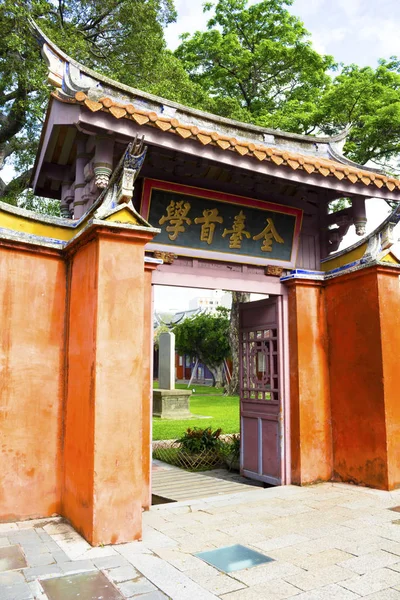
[[260, 397]]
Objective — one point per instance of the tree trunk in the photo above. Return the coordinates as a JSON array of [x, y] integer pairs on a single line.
[[237, 298], [218, 374]]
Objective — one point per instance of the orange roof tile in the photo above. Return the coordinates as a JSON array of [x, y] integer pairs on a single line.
[[310, 164]]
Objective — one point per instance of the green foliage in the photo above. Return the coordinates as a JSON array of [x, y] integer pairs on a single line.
[[198, 440], [253, 63], [45, 206], [123, 39], [367, 102], [254, 60], [204, 336], [223, 411]]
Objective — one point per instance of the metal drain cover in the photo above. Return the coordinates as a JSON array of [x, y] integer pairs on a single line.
[[233, 558]]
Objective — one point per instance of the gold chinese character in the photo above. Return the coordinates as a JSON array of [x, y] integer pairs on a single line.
[[268, 234], [208, 220], [176, 216], [237, 231]]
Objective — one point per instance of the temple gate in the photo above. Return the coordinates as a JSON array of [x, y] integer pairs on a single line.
[[153, 192]]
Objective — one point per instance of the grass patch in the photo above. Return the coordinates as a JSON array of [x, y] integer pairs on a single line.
[[207, 401]]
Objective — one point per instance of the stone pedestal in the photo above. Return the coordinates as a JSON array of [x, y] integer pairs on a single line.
[[172, 404]]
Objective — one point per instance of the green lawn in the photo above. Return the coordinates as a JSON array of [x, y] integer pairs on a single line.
[[207, 401]]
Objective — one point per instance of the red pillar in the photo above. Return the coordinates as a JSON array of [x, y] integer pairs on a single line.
[[311, 439], [103, 478]]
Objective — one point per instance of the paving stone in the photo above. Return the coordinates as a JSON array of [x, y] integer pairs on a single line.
[[87, 586], [4, 542], [374, 582], [329, 592], [19, 591], [77, 566], [11, 557], [35, 549], [58, 527], [220, 584], [8, 527], [310, 580], [10, 578], [99, 552], [52, 546], [42, 572], [40, 560], [181, 560], [27, 536], [60, 556], [37, 590], [324, 559], [370, 562], [121, 574], [153, 596], [282, 542], [110, 562], [134, 588], [273, 570], [389, 594], [270, 590], [169, 580]]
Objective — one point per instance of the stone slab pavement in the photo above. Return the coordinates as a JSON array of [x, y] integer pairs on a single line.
[[328, 542]]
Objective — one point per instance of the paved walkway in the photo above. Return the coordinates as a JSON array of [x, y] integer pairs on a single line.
[[327, 542]]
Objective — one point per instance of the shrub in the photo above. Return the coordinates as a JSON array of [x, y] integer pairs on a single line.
[[198, 440]]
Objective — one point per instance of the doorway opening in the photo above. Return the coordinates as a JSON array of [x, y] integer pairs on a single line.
[[252, 423]]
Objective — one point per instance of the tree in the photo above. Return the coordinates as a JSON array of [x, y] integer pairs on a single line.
[[205, 337], [253, 60], [258, 65], [234, 383], [367, 102], [123, 39]]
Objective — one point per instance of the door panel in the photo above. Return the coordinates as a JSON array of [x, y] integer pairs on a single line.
[[250, 450], [260, 398]]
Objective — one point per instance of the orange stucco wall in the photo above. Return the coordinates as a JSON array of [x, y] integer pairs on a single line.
[[147, 402], [32, 301], [77, 498], [389, 309], [311, 436], [73, 376], [103, 437], [356, 378], [119, 392]]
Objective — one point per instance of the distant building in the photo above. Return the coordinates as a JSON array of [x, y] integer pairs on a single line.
[[211, 302]]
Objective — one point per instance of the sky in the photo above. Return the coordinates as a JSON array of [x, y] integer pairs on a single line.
[[353, 31]]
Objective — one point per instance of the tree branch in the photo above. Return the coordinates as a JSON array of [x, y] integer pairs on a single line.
[[17, 185]]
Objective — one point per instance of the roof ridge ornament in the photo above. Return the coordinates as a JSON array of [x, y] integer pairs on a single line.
[[119, 191]]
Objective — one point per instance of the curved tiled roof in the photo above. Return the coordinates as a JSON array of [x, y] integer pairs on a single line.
[[310, 164]]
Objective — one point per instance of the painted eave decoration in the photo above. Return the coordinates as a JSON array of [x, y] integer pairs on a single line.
[[303, 162], [43, 231], [314, 156]]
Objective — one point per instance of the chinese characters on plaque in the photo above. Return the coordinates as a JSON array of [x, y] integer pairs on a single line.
[[176, 216], [220, 225]]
